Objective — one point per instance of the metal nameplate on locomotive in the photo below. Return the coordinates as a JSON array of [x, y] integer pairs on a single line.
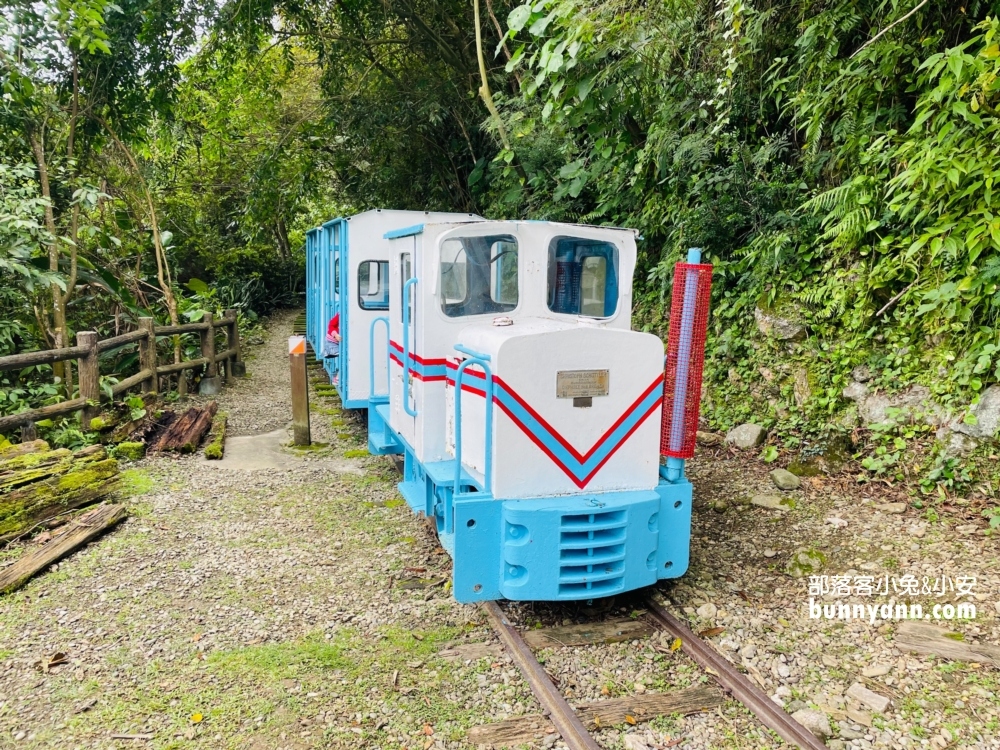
[[581, 383]]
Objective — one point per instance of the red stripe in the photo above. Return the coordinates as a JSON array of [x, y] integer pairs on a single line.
[[417, 375], [621, 442], [419, 360]]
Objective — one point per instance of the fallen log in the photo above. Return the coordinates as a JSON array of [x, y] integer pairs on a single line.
[[40, 485], [216, 446], [73, 535], [186, 432]]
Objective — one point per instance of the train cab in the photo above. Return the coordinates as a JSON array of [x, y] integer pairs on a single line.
[[527, 410]]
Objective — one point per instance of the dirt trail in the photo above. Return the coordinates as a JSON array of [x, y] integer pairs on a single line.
[[291, 600]]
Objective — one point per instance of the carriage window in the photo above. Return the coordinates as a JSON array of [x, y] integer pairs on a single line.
[[373, 285], [583, 277], [405, 271], [478, 275]]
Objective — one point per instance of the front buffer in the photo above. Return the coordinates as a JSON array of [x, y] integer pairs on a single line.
[[570, 548]]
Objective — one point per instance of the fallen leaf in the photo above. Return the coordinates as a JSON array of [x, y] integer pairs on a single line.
[[428, 744], [415, 570], [629, 719], [605, 691], [428, 730], [597, 721], [197, 637], [676, 644], [711, 632], [196, 718]]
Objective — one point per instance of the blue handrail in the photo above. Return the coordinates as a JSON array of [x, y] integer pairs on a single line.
[[371, 356], [480, 360], [406, 347]]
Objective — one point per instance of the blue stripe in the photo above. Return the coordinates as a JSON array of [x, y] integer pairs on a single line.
[[404, 232], [579, 470]]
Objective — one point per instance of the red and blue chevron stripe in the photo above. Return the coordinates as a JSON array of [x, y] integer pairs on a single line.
[[579, 467]]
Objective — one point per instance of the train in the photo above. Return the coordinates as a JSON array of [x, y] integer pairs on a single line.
[[542, 435]]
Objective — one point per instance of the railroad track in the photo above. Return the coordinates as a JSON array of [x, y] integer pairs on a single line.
[[573, 731]]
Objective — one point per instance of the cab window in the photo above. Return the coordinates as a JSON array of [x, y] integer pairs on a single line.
[[583, 277], [373, 285], [478, 275]]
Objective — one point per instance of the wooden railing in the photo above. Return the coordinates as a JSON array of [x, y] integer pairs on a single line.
[[88, 347]]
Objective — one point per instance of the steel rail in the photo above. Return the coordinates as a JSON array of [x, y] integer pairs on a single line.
[[567, 723], [734, 682]]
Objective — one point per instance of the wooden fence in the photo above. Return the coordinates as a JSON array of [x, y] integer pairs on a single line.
[[89, 347]]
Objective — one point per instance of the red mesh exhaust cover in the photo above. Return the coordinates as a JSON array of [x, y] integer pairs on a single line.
[[685, 342]]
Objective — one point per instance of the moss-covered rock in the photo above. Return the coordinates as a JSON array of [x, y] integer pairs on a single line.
[[130, 451], [805, 562]]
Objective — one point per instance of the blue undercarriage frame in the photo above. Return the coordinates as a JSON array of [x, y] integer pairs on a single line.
[[572, 547]]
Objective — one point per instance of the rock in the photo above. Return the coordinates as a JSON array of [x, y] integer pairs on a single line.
[[800, 386], [634, 742], [746, 436], [829, 661], [876, 670], [639, 688], [805, 562], [859, 717], [846, 733], [707, 611], [861, 373], [836, 522], [815, 721], [769, 553], [794, 706], [986, 413], [550, 740], [835, 745], [772, 502], [709, 439], [777, 327], [749, 651], [855, 392], [893, 508], [913, 403], [785, 480], [956, 443], [861, 694], [784, 671], [917, 530]]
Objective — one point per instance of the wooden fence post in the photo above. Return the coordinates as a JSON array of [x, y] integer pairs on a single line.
[[300, 390], [209, 385], [89, 375], [147, 355], [233, 342]]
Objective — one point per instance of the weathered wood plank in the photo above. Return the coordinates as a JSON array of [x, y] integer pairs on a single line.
[[129, 382], [528, 729], [122, 340], [178, 366], [610, 631], [215, 449], [43, 357], [178, 329], [186, 432], [923, 638], [53, 487], [67, 539], [471, 651], [33, 415]]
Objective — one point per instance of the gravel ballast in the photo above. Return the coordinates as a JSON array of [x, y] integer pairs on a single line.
[[302, 605]]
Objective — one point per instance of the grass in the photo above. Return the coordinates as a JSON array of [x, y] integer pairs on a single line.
[[136, 482]]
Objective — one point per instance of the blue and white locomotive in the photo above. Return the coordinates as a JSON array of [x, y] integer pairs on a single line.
[[498, 358]]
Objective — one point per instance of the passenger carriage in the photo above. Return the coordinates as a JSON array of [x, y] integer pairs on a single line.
[[544, 476]]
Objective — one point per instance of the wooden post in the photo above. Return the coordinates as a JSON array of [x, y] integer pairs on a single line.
[[89, 377], [300, 390], [233, 340], [209, 385], [147, 355]]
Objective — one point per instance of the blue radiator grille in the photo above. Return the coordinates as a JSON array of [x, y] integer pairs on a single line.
[[592, 553]]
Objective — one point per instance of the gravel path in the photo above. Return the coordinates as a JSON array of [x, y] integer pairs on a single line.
[[304, 606]]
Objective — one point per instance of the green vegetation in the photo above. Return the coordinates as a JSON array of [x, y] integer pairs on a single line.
[[835, 161], [129, 451]]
